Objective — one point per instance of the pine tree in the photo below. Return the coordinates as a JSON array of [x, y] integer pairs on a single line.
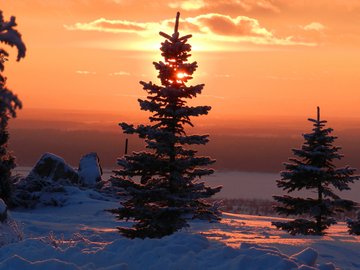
[[168, 192], [354, 225], [314, 170], [9, 103]]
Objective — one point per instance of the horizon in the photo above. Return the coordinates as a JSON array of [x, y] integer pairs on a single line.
[[245, 144]]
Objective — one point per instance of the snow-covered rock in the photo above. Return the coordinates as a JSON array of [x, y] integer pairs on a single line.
[[3, 211], [90, 170], [53, 168], [45, 183]]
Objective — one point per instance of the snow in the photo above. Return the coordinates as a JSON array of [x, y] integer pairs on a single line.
[[81, 235], [10, 232], [89, 169], [337, 247], [308, 257]]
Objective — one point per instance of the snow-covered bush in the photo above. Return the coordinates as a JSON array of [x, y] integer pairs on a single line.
[[354, 225], [31, 192], [10, 231]]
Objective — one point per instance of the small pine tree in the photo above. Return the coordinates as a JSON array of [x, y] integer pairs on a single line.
[[314, 170], [169, 192], [9, 103], [354, 225]]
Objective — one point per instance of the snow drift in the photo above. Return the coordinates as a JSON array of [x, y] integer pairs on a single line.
[[81, 235]]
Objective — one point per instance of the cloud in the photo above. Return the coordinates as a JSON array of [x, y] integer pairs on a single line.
[[212, 28], [312, 32], [120, 73], [265, 5], [316, 26], [110, 26], [237, 5], [187, 5], [224, 25], [222, 75], [85, 72]]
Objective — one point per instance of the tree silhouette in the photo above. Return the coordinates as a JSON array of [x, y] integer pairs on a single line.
[[9, 103], [314, 170], [354, 225], [168, 192]]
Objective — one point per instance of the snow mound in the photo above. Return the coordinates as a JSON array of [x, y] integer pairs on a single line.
[[308, 256], [17, 262], [179, 251], [90, 170]]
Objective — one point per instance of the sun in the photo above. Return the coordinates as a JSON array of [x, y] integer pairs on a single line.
[[181, 75]]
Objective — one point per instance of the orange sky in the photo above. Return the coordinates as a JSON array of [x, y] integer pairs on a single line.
[[266, 65], [256, 57]]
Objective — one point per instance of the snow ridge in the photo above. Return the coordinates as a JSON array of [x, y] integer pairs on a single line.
[[181, 250]]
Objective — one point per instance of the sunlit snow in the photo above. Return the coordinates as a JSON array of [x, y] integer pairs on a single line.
[[81, 235]]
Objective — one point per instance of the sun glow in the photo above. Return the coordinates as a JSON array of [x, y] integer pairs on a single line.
[[181, 75]]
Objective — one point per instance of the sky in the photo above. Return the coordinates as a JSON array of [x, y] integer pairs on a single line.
[[266, 65]]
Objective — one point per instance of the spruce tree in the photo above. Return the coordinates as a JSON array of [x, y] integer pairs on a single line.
[[162, 183], [314, 170], [354, 225], [9, 103]]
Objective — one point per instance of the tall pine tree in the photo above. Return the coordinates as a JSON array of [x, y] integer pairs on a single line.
[[314, 170], [168, 192], [9, 103]]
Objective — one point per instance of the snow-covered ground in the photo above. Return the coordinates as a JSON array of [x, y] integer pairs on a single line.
[[81, 235]]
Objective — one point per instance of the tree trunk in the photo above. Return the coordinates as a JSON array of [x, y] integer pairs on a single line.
[[319, 216]]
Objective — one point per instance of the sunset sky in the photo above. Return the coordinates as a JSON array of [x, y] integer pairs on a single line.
[[261, 60]]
